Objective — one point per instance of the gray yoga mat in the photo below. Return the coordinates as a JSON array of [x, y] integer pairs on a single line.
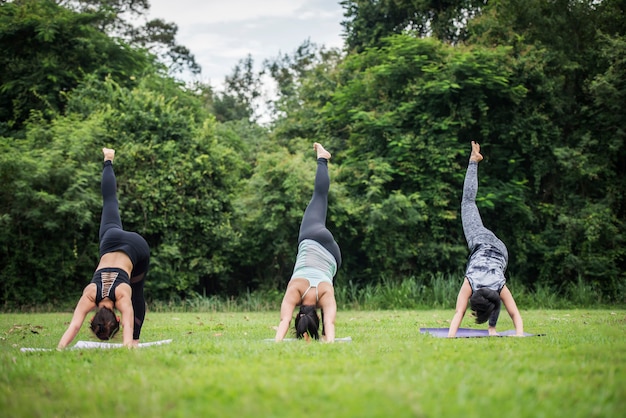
[[471, 333]]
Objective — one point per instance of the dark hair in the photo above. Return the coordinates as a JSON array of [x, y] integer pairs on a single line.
[[308, 322], [483, 302], [105, 324]]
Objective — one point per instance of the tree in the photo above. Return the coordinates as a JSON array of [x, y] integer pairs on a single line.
[[269, 208], [290, 71], [157, 36], [562, 56], [406, 112], [370, 21], [175, 182], [242, 89], [47, 49]]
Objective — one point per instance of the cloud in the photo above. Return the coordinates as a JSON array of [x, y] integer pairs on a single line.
[[228, 11], [220, 33]]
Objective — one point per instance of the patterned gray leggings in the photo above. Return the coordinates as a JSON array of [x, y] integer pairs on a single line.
[[473, 228]]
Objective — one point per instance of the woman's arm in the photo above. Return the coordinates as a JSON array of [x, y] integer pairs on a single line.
[[511, 308], [329, 309], [461, 307], [124, 304], [286, 312], [84, 305]]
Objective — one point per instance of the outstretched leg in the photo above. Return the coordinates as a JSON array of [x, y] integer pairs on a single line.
[[314, 217], [470, 216], [110, 206], [473, 228], [313, 225]]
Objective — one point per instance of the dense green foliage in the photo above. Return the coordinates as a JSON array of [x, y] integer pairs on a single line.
[[219, 196], [47, 50], [370, 21]]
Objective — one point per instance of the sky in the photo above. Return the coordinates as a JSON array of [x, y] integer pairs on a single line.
[[220, 33]]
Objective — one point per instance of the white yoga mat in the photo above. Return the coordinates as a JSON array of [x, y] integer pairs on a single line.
[[95, 344]]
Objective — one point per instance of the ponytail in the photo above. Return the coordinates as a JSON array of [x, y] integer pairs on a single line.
[[105, 324], [307, 322], [484, 302]]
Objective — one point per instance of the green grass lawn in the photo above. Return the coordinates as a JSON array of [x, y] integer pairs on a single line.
[[219, 365]]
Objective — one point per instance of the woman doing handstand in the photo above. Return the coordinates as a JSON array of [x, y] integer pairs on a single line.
[[484, 283], [317, 262], [120, 276]]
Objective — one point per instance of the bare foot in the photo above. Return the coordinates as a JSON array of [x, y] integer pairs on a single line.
[[475, 155], [321, 152], [109, 154]]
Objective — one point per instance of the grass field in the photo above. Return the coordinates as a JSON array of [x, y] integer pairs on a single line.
[[219, 365]]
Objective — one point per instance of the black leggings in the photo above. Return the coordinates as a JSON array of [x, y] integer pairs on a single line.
[[110, 206], [313, 225], [114, 238]]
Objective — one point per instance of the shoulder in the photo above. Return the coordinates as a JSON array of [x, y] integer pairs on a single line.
[[505, 293], [326, 293], [325, 287], [90, 291], [123, 291], [507, 297], [298, 284], [87, 300], [294, 291]]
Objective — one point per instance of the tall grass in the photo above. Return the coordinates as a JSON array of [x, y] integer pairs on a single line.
[[436, 291], [413, 293], [267, 300], [439, 291]]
